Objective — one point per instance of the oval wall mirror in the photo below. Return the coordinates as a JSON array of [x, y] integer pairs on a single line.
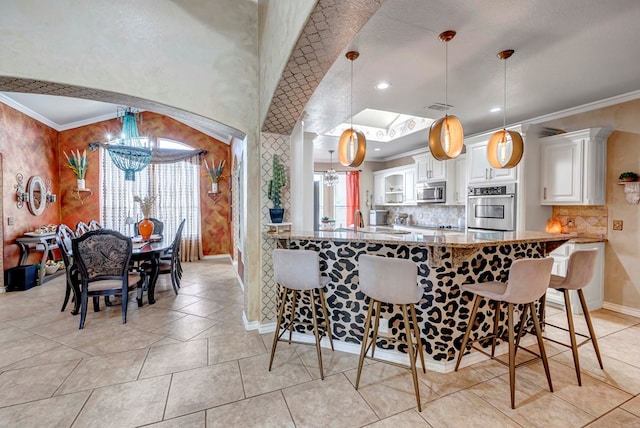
[[37, 195]]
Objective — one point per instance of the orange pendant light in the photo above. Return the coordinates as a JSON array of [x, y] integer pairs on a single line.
[[505, 148], [446, 137], [352, 146]]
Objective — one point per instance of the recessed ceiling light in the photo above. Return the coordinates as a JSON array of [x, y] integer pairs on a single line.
[[383, 85], [376, 149], [495, 109]]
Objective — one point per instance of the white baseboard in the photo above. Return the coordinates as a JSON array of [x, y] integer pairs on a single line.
[[621, 309], [253, 325], [217, 256], [388, 355]]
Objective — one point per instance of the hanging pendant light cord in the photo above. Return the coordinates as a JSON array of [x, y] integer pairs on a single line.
[[351, 96], [504, 101], [446, 79]]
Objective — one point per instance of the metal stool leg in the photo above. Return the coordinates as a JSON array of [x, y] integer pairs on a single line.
[[293, 313], [592, 333], [572, 334], [512, 355], [326, 317], [316, 333], [365, 339], [465, 339], [375, 329], [543, 354], [278, 324], [496, 321], [419, 347], [412, 356]]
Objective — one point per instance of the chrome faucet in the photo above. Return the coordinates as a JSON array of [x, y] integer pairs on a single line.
[[358, 221]]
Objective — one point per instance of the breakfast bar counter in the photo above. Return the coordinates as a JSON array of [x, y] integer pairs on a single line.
[[444, 261]]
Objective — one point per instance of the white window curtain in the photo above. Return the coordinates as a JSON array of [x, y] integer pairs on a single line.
[[177, 190]]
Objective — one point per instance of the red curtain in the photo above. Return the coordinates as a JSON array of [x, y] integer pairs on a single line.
[[353, 194]]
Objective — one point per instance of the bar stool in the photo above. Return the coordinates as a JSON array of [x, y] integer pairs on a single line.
[[580, 271], [298, 271], [395, 282], [528, 281]]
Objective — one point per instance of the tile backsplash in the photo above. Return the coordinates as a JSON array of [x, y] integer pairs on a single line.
[[429, 215], [583, 220]]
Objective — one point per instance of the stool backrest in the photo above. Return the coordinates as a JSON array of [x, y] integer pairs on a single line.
[[389, 280], [582, 265], [528, 280], [296, 269]]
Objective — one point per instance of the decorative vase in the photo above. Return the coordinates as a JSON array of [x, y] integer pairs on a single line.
[[276, 214], [81, 184], [145, 227], [214, 187]]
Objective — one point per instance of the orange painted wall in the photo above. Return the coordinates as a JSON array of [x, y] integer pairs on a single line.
[[28, 147], [216, 235], [32, 148]]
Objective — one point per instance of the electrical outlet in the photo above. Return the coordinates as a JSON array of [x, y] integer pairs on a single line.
[[617, 224], [571, 222]]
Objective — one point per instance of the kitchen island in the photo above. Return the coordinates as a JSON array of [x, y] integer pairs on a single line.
[[444, 260]]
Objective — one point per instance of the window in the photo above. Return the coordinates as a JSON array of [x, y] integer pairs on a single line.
[[332, 201], [177, 191]]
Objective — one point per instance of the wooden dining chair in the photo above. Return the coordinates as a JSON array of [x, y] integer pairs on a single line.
[[81, 228], [102, 257]]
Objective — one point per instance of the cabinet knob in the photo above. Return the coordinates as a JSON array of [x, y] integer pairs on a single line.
[[544, 196], [486, 173]]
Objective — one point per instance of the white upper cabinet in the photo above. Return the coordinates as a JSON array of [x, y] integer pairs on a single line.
[[573, 167], [429, 169], [460, 189], [395, 186], [480, 171]]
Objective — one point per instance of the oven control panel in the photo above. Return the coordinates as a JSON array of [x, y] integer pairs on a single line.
[[507, 189]]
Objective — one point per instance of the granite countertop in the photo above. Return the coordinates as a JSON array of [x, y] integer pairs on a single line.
[[430, 238]]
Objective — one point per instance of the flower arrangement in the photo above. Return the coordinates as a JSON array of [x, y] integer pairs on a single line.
[[628, 176], [215, 173], [146, 204], [78, 163]]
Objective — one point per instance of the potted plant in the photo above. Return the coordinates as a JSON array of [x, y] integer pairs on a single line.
[[78, 164], [277, 182], [628, 176], [214, 173]]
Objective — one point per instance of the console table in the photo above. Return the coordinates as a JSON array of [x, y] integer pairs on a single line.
[[46, 243]]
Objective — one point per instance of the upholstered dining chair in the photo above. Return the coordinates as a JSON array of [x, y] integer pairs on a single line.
[[170, 262], [158, 226], [94, 225], [102, 257], [81, 228]]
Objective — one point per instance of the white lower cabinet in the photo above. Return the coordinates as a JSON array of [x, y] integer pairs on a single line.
[[593, 293]]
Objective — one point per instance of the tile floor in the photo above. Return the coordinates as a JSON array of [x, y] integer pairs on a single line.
[[188, 362]]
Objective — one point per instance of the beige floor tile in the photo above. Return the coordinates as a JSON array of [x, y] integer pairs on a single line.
[[171, 301], [314, 404], [153, 318], [56, 355], [173, 358], [51, 412], [287, 370], [10, 334], [406, 419], [32, 383], [194, 420], [632, 406], [535, 407], [617, 418], [594, 396], [126, 405], [104, 370], [388, 389], [604, 322], [221, 328], [205, 307], [185, 328], [332, 361], [235, 347], [268, 410], [459, 408], [18, 350], [447, 383], [202, 388], [623, 346]]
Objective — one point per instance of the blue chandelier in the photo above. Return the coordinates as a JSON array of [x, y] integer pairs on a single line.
[[130, 153]]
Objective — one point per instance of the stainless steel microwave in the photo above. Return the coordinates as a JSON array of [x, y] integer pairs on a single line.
[[431, 193]]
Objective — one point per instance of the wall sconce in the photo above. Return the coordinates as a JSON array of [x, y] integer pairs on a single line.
[[21, 193], [49, 197]]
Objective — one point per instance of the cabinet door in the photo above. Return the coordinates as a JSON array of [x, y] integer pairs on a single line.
[[460, 195], [561, 172], [378, 189], [438, 169], [422, 168], [410, 186], [478, 167], [502, 174]]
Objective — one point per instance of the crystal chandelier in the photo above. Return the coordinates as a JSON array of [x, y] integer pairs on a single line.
[[131, 152], [330, 176]]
